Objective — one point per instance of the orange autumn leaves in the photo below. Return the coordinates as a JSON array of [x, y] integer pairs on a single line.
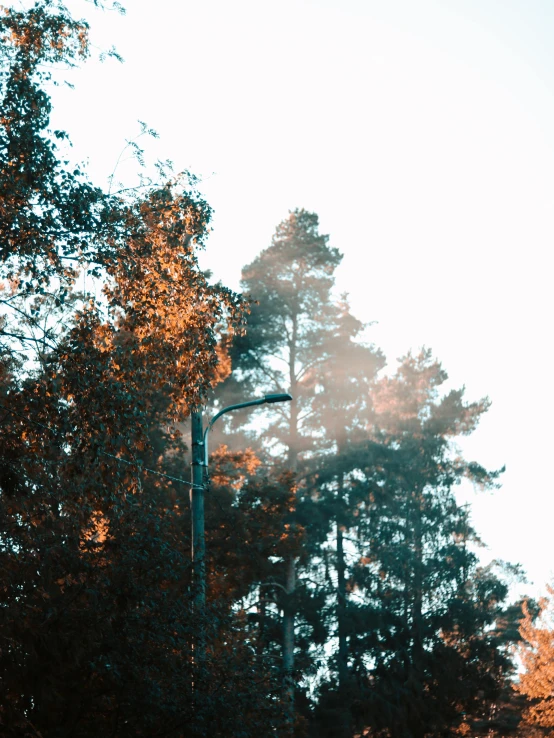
[[537, 656]]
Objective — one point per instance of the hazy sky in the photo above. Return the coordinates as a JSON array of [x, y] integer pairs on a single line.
[[422, 133]]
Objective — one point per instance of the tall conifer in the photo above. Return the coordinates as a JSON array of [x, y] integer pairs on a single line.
[[295, 334], [420, 653]]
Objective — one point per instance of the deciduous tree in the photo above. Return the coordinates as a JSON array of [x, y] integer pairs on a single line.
[[96, 618], [536, 682]]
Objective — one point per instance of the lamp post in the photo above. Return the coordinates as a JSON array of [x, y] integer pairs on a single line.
[[199, 439]]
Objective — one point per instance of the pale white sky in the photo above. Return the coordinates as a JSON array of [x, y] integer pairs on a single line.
[[422, 133]]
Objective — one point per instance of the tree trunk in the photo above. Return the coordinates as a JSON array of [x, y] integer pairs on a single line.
[[417, 656], [261, 622], [417, 589], [341, 606], [341, 583], [288, 643], [344, 717], [290, 563], [197, 511]]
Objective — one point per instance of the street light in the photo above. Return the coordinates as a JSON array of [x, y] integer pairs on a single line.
[[199, 438], [266, 399]]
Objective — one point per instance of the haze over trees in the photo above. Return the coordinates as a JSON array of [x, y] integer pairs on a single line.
[[344, 593]]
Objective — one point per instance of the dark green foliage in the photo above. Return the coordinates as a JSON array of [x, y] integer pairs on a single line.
[[96, 620], [421, 655], [340, 520], [50, 215]]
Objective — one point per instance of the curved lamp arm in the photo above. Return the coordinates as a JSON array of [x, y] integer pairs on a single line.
[[266, 399]]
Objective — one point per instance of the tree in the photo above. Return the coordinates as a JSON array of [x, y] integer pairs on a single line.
[[295, 330], [536, 652], [51, 217], [420, 651], [97, 554], [418, 598], [342, 392], [96, 616], [97, 622]]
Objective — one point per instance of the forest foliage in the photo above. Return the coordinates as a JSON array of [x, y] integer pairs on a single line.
[[345, 596]]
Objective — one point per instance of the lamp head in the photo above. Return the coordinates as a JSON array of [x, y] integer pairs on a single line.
[[278, 398]]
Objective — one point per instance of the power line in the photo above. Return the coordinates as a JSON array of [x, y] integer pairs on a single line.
[[103, 452]]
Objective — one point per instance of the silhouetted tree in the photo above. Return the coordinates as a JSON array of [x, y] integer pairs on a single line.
[[96, 620], [420, 653]]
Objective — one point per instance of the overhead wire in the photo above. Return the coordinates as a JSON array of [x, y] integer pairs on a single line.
[[138, 465]]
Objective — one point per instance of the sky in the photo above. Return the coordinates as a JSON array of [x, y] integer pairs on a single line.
[[422, 133]]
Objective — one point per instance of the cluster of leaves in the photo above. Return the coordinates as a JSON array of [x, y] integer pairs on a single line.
[[344, 593], [50, 214], [97, 625], [536, 651], [396, 626]]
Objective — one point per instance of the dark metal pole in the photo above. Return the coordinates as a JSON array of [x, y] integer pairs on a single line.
[[199, 442], [197, 511]]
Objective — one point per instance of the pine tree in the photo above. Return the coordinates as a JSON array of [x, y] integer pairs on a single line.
[[343, 385], [419, 650], [295, 334]]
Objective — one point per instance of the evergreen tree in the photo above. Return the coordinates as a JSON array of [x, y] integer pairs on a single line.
[[295, 333], [341, 518], [343, 385], [419, 648]]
